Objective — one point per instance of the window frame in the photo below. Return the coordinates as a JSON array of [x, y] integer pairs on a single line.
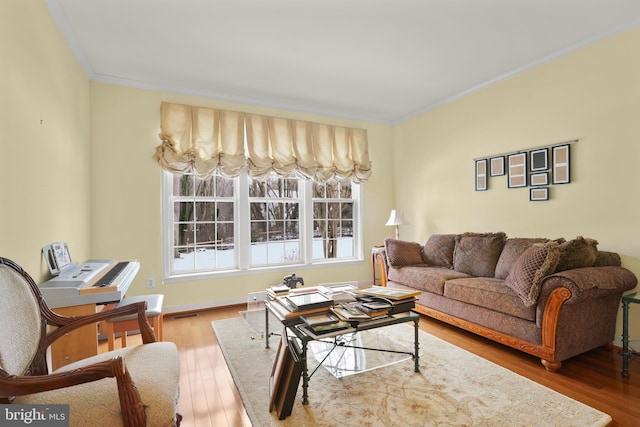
[[243, 234]]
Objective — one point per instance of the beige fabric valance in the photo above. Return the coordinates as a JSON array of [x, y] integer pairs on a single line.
[[210, 140]]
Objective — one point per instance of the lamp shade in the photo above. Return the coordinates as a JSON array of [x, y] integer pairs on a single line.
[[397, 218]]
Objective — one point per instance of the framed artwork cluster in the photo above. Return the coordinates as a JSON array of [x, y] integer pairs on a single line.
[[537, 168]]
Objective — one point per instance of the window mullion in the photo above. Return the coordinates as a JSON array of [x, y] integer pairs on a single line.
[[307, 221], [243, 226]]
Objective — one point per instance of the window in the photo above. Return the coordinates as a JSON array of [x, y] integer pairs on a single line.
[[333, 220], [225, 225], [202, 223], [274, 206]]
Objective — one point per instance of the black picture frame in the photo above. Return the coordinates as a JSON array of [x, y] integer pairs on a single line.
[[517, 170], [276, 370], [561, 160], [481, 175], [496, 166], [538, 179], [285, 377], [539, 159], [539, 194]]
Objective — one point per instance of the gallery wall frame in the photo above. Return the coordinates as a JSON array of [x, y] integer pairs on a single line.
[[537, 179], [517, 170], [538, 159], [481, 175], [561, 169], [536, 167], [538, 194], [496, 166]]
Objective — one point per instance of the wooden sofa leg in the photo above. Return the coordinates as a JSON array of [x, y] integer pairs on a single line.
[[551, 366], [608, 346]]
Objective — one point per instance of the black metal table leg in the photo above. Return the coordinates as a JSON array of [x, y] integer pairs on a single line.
[[625, 338], [416, 344], [266, 327], [305, 374]]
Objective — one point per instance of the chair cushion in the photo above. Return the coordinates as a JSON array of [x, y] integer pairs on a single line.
[[154, 369]]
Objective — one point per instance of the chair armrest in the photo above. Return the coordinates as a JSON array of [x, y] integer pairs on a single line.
[[130, 401], [68, 323]]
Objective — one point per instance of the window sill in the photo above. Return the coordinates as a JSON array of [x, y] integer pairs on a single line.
[[190, 277]]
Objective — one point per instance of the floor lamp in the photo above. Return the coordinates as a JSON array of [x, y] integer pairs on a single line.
[[397, 218]]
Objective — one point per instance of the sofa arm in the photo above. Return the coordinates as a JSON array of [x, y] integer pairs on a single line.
[[589, 282], [379, 259]]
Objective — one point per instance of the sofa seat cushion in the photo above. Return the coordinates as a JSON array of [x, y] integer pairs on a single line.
[[477, 253], [488, 293], [430, 279]]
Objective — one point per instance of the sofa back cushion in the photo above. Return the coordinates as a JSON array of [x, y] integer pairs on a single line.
[[513, 248], [438, 251], [577, 253], [401, 253], [477, 253], [532, 266]]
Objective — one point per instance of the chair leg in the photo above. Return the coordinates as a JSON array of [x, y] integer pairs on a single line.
[[110, 336], [158, 327]]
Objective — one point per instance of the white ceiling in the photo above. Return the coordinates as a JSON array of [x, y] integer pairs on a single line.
[[375, 60]]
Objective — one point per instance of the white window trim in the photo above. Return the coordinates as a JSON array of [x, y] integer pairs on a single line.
[[242, 231]]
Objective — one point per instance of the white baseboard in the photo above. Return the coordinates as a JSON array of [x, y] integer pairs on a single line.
[[230, 301]]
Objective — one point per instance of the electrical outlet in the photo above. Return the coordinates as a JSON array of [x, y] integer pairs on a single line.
[[151, 282]]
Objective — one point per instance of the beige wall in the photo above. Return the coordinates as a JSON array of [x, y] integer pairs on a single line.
[[592, 94], [76, 161], [126, 190], [44, 148]]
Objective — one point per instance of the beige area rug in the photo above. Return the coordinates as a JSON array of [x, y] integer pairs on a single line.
[[454, 388]]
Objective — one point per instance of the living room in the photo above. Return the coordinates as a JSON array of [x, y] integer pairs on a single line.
[[78, 164]]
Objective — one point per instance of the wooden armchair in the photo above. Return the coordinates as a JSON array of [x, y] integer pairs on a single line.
[[101, 390]]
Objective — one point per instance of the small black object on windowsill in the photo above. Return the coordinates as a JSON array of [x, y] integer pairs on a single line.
[[292, 281]]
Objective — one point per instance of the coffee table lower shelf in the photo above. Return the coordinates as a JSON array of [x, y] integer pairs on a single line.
[[296, 328]]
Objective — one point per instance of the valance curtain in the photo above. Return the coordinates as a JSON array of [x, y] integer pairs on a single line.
[[209, 141]]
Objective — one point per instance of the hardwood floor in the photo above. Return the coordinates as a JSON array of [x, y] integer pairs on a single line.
[[210, 398]]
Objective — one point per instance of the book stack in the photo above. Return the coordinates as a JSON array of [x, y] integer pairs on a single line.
[[290, 306], [382, 298], [324, 323], [277, 290]]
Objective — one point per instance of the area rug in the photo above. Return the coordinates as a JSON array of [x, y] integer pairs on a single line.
[[453, 388]]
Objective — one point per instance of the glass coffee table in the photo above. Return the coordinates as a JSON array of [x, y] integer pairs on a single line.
[[349, 338]]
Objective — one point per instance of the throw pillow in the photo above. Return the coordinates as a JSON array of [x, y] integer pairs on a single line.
[[401, 253], [438, 251], [527, 273], [512, 250], [604, 258], [577, 253], [477, 253]]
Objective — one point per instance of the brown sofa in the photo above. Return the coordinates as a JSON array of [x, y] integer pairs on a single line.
[[553, 299]]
